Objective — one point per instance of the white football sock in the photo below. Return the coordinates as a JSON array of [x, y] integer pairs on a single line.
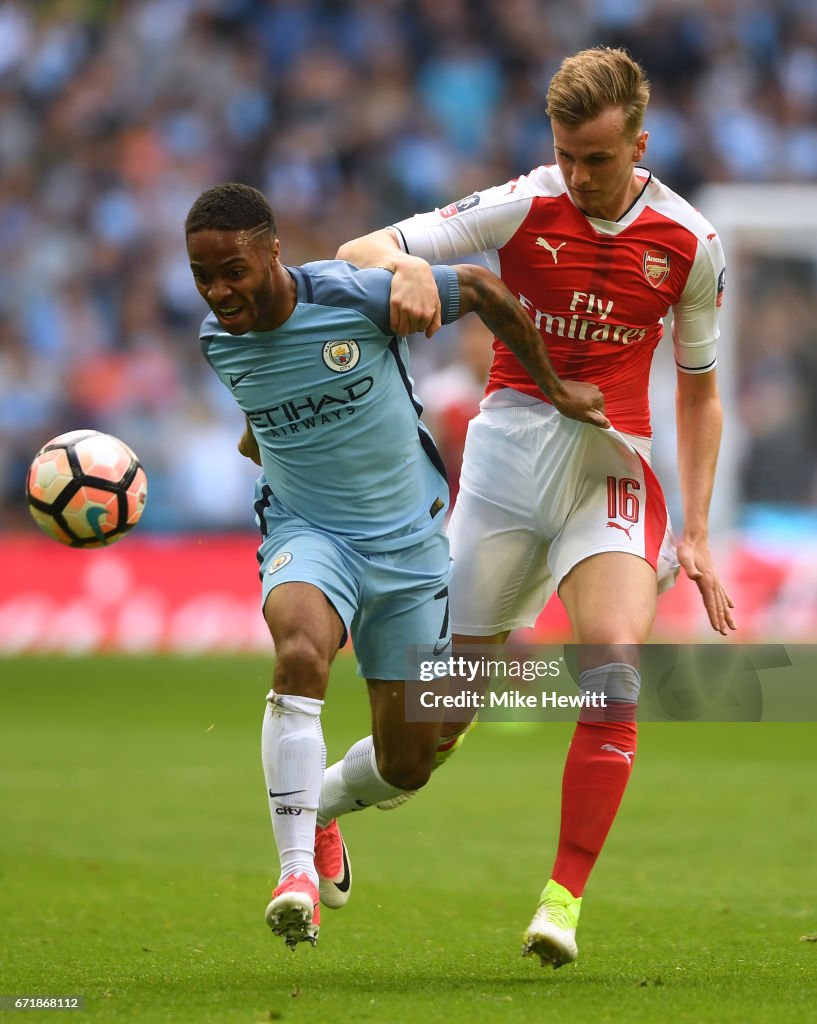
[[293, 754], [353, 783]]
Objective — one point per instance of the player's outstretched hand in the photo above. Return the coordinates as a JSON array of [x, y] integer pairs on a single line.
[[415, 300], [696, 562], [579, 400], [248, 446]]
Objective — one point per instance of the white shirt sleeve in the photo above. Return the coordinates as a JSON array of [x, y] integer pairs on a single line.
[[481, 222], [695, 316]]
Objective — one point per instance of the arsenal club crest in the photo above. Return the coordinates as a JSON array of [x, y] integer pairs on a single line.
[[656, 267], [341, 356]]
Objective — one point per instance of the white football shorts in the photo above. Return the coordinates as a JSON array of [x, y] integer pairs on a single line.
[[538, 494]]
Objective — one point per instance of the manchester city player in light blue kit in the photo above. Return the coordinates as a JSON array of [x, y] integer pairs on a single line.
[[351, 505]]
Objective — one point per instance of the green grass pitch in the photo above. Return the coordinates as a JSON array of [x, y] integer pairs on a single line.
[[136, 860]]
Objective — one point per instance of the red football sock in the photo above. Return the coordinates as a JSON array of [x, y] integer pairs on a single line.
[[597, 770]]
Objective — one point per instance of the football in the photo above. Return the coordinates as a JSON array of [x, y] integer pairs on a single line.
[[86, 489]]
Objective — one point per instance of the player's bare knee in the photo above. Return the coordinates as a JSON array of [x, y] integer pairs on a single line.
[[599, 653], [301, 667], [406, 769]]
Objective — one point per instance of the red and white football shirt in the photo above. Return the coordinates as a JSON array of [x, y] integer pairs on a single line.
[[597, 290]]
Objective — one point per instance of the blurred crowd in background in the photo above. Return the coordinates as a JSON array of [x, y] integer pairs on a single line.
[[348, 115]]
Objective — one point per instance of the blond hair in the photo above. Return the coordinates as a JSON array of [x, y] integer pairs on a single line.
[[593, 80]]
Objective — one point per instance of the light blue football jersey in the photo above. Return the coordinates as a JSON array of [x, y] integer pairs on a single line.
[[333, 409]]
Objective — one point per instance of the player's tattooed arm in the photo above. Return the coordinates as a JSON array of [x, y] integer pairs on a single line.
[[483, 293], [248, 446]]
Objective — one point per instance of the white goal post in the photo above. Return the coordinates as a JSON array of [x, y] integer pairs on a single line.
[[768, 221]]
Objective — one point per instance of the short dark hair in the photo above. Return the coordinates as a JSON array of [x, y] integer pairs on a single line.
[[230, 206]]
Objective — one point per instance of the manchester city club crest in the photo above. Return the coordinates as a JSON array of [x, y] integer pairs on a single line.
[[281, 559], [341, 356]]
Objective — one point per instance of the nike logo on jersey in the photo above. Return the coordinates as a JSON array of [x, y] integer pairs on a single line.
[[618, 526], [546, 245], [235, 381], [289, 792], [626, 754]]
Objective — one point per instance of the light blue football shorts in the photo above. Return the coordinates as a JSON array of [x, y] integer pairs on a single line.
[[388, 601]]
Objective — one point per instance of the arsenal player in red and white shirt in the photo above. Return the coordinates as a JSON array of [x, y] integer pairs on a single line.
[[597, 251]]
